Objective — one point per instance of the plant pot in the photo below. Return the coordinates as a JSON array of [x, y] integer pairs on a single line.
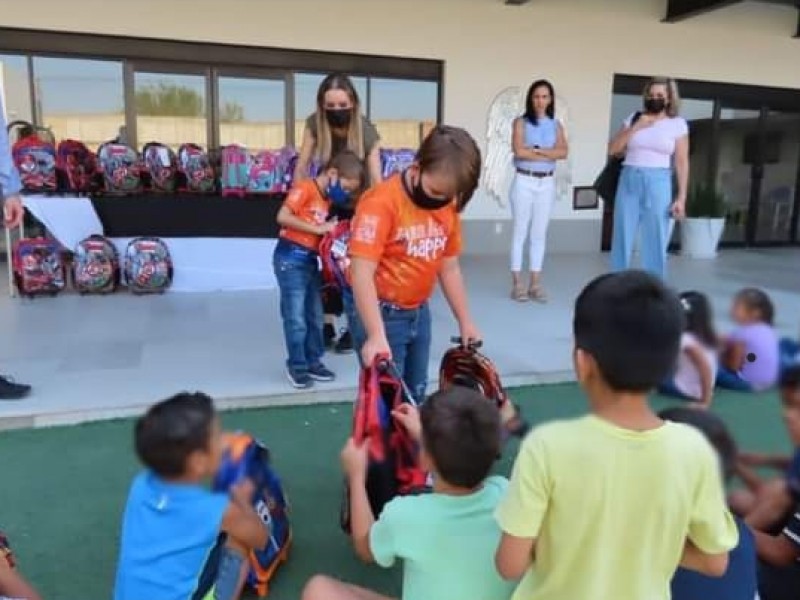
[[700, 237]]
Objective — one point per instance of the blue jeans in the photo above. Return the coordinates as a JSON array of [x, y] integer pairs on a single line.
[[297, 272], [644, 197], [731, 380], [408, 332], [789, 351]]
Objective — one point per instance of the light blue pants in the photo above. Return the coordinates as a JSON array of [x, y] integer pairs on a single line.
[[643, 199]]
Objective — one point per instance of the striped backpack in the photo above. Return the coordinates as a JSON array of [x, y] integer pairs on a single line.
[[234, 170], [95, 268]]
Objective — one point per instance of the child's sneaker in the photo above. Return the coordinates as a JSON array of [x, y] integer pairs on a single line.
[[299, 379], [321, 373]]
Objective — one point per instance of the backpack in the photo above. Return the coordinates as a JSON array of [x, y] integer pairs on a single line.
[[235, 170], [333, 255], [467, 367], [195, 169], [243, 456], [395, 161], [268, 172], [95, 268], [148, 266], [38, 267], [34, 155], [78, 165], [121, 168], [394, 468], [161, 165]]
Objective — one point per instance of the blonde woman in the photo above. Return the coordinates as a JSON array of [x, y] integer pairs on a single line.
[[652, 141]]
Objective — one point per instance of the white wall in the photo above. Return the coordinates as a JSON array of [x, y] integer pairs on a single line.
[[487, 46]]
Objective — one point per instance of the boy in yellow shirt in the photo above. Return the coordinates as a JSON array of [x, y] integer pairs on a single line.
[[608, 505]]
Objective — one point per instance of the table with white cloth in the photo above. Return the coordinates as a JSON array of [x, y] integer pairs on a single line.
[[216, 243]]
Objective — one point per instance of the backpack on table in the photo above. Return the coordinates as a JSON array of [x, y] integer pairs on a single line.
[[396, 160], [78, 165], [121, 168], [38, 267], [34, 155], [148, 266], [95, 266], [243, 456], [234, 170], [394, 466], [195, 170], [161, 165]]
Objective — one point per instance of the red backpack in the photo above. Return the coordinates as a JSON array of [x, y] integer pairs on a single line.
[[34, 155], [394, 467], [333, 255], [465, 366], [78, 165]]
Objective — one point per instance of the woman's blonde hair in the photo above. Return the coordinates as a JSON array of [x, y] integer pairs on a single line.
[[673, 96], [355, 131]]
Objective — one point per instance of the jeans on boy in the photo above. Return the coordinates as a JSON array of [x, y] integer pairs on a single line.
[[299, 279]]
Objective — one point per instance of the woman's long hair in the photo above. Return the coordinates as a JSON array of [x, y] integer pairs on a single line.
[[530, 112], [355, 132]]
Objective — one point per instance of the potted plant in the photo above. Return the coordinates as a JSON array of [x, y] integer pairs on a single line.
[[702, 228]]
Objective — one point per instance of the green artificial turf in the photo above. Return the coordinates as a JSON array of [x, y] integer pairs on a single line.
[[63, 489]]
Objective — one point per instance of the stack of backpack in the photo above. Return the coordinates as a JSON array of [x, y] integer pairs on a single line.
[[266, 172]]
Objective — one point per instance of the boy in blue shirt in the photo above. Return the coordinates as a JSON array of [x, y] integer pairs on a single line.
[[445, 539], [179, 540]]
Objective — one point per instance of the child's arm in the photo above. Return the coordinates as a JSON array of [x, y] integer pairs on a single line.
[[779, 462], [713, 565], [12, 584], [733, 356], [286, 218], [241, 522], [354, 464], [514, 556], [778, 550], [706, 380]]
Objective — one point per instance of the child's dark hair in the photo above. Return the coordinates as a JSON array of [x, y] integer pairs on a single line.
[[757, 300], [631, 324], [461, 433], [699, 317], [172, 430], [790, 378], [453, 150], [713, 428], [348, 165]]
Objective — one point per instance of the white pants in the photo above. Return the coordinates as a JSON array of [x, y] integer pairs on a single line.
[[531, 203]]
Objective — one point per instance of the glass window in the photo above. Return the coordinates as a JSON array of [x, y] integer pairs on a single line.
[[403, 111], [252, 112], [781, 157], [305, 98], [64, 105], [170, 109], [15, 87]]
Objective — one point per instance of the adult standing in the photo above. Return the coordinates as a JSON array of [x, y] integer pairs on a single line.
[[652, 141], [13, 213], [538, 142], [336, 125]]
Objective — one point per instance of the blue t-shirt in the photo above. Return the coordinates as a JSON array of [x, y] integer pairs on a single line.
[[169, 532], [738, 583]]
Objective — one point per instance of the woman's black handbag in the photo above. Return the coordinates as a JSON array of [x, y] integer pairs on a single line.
[[607, 182]]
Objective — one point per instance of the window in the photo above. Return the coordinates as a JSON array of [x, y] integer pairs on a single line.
[[252, 112], [80, 99], [403, 111], [170, 109], [305, 98], [15, 87]]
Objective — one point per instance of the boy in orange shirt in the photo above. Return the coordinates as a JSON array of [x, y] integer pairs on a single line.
[[304, 220], [406, 234]]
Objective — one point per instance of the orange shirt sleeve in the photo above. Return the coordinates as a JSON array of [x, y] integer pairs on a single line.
[[454, 241], [297, 198], [372, 226]]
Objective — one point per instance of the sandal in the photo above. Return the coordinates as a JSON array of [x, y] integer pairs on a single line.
[[537, 294], [518, 294]]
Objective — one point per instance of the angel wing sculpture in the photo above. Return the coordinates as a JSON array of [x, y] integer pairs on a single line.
[[563, 172]]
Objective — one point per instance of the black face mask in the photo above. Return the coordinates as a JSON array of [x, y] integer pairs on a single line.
[[420, 198], [338, 117], [655, 105]]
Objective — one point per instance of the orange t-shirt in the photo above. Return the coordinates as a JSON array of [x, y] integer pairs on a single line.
[[307, 203], [408, 242]]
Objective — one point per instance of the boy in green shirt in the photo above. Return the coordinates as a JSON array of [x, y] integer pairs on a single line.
[[445, 539]]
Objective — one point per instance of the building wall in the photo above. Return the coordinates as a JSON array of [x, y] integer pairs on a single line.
[[487, 46]]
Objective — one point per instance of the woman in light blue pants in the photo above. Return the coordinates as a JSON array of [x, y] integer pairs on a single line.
[[652, 141]]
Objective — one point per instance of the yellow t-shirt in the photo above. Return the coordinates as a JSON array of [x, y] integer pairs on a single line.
[[611, 508]]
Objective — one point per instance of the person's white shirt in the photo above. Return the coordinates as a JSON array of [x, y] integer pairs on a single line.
[[687, 378]]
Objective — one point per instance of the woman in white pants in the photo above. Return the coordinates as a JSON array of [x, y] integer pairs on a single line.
[[538, 142]]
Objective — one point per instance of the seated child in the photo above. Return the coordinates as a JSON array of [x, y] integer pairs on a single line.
[[179, 540], [739, 581], [750, 360], [445, 539], [696, 370], [12, 585], [304, 220], [606, 505], [765, 504]]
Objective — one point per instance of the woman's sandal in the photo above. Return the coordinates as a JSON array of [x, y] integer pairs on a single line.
[[519, 294], [537, 294]]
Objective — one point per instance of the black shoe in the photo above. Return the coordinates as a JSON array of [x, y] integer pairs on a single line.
[[9, 390], [321, 373], [344, 345], [300, 380], [329, 336]]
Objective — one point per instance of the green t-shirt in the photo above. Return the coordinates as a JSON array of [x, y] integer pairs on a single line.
[[370, 135], [447, 544]]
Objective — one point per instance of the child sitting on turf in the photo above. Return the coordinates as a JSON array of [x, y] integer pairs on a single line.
[[696, 370], [304, 220], [739, 581], [765, 504], [179, 540], [750, 360], [12, 585], [445, 539], [607, 505]]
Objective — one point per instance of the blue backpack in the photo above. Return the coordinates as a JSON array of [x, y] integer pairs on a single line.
[[243, 456]]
